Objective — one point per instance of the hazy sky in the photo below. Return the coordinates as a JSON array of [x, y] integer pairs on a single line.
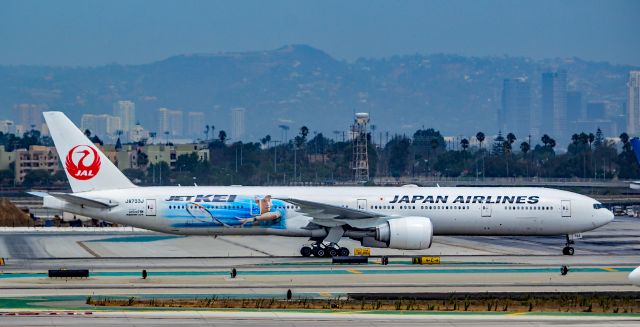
[[98, 32]]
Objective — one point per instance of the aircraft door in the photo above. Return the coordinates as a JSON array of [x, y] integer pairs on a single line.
[[151, 207], [362, 204], [486, 210], [566, 208]]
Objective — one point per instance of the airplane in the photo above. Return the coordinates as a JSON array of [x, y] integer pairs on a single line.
[[405, 217]]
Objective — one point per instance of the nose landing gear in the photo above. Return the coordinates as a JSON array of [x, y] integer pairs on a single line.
[[568, 249]]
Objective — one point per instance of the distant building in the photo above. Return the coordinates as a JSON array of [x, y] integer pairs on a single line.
[[195, 124], [554, 104], [575, 109], [37, 157], [138, 133], [6, 158], [7, 127], [237, 124], [633, 103], [176, 123], [126, 111], [105, 127], [31, 115], [515, 113], [596, 110], [170, 122]]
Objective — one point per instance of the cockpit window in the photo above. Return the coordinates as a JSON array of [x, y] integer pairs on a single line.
[[598, 205]]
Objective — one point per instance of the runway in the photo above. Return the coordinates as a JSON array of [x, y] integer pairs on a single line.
[[621, 237], [192, 267]]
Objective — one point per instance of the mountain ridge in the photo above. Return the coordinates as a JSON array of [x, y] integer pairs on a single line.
[[306, 85]]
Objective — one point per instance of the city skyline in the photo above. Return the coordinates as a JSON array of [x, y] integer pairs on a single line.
[[189, 123]]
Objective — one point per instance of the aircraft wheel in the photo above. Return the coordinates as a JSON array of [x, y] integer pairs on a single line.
[[319, 252], [568, 250], [332, 252], [344, 252], [306, 251]]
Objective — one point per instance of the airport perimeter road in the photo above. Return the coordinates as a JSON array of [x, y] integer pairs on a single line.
[[282, 319]]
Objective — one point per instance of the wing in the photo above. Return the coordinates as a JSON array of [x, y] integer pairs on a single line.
[[330, 215], [323, 210]]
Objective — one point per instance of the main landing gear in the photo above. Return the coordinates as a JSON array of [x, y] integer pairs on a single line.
[[326, 246], [568, 249], [320, 249]]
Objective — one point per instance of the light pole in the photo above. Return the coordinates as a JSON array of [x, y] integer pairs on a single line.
[[275, 156]]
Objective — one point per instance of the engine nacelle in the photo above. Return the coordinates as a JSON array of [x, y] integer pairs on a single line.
[[407, 233]]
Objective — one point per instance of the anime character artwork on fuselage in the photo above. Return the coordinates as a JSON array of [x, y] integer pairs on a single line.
[[241, 212]]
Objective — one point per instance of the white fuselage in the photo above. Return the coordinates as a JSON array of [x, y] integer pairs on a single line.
[[452, 210]]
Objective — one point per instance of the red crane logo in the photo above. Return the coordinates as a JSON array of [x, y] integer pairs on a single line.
[[76, 162]]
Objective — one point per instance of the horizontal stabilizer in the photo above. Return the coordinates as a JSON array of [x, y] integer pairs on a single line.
[[83, 201]]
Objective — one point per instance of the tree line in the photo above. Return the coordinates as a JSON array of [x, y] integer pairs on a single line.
[[318, 159]]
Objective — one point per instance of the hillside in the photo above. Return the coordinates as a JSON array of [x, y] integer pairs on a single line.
[[299, 84]]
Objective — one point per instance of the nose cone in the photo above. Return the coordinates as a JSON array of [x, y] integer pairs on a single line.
[[607, 216], [634, 277], [602, 217]]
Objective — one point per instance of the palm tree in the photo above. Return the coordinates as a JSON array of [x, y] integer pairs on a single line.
[[545, 140], [480, 138], [222, 136], [265, 140], [206, 132], [525, 147], [511, 138], [574, 140], [506, 150], [304, 131], [626, 146], [464, 143]]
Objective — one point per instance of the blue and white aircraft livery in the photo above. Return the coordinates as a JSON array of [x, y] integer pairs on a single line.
[[391, 217]]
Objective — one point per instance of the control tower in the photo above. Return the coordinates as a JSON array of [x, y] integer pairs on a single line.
[[360, 160]]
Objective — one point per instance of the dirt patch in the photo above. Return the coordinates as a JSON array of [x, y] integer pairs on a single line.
[[570, 302], [11, 216]]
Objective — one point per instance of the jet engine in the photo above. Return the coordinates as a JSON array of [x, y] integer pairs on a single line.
[[407, 233]]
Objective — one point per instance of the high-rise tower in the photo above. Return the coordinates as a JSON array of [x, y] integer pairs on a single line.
[[554, 104], [237, 124], [515, 113], [633, 103], [126, 110]]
